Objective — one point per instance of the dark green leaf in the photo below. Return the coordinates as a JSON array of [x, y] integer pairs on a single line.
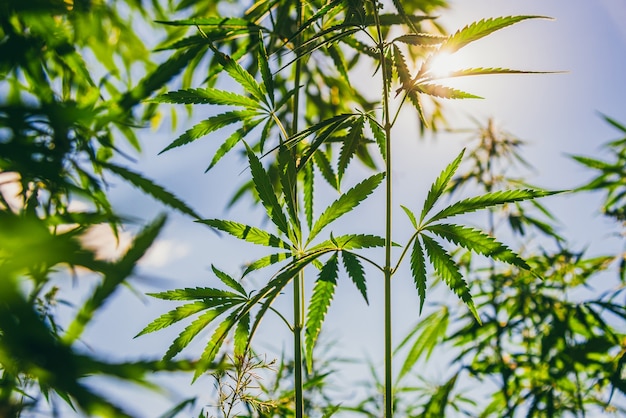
[[207, 96], [355, 271], [350, 146], [418, 269], [229, 281], [443, 91]]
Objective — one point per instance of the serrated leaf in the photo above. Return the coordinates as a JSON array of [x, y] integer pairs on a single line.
[[233, 140], [379, 136], [242, 334], [191, 331], [355, 271], [440, 185], [288, 176], [420, 39], [479, 242], [323, 293], [488, 200], [352, 242], [346, 202], [241, 76], [321, 161], [210, 125], [410, 215], [215, 343], [207, 96], [480, 29], [229, 281], [266, 74], [248, 233], [491, 71], [308, 187], [418, 269], [443, 91], [428, 333], [350, 146], [268, 260], [446, 268], [154, 190], [221, 22], [191, 293], [175, 315], [264, 188]]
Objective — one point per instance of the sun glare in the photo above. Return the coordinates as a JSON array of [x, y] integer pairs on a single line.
[[443, 64]]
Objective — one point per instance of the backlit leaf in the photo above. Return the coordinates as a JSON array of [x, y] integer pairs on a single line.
[[443, 91], [229, 281], [248, 233], [350, 145], [439, 186], [207, 96]]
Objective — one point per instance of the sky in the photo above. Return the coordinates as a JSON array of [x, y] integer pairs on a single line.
[[557, 114]]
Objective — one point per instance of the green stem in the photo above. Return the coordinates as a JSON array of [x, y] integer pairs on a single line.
[[298, 283], [388, 212]]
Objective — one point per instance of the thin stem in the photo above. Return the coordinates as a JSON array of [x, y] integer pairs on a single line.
[[298, 283], [388, 212]]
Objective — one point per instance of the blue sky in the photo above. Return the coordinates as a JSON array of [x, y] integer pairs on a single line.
[[557, 114]]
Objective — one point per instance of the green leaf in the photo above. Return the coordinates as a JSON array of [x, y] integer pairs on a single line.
[[346, 202], [151, 188], [488, 200], [418, 269], [446, 268], [350, 146], [440, 185], [480, 29], [191, 293], [229, 281], [113, 278], [266, 74], [308, 187], [401, 67], [428, 334], [210, 125], [207, 96], [351, 242], [443, 91], [479, 242], [420, 39], [321, 161], [379, 136], [233, 140], [175, 315], [248, 233], [221, 22], [288, 176], [355, 271], [323, 293], [264, 188], [241, 76], [191, 331], [242, 334], [411, 216], [491, 71], [436, 405], [268, 260]]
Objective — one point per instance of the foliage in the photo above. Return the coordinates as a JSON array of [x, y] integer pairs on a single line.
[[283, 76]]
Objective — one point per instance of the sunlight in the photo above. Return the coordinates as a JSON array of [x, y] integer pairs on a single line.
[[444, 64]]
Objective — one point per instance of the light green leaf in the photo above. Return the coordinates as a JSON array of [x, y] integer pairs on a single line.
[[446, 268], [488, 200], [241, 76], [346, 202], [355, 271], [248, 233], [443, 91], [439, 186], [264, 188], [321, 161], [191, 331], [175, 315], [323, 293], [351, 242], [480, 29], [436, 405], [308, 187], [420, 39], [207, 96], [242, 334], [402, 68], [418, 269], [191, 293], [229, 281], [491, 71], [209, 125], [479, 242], [232, 140], [219, 22], [266, 74], [428, 334], [411, 215], [268, 260], [350, 146], [216, 342]]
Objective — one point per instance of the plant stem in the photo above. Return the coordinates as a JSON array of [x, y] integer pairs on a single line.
[[298, 283], [388, 212]]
